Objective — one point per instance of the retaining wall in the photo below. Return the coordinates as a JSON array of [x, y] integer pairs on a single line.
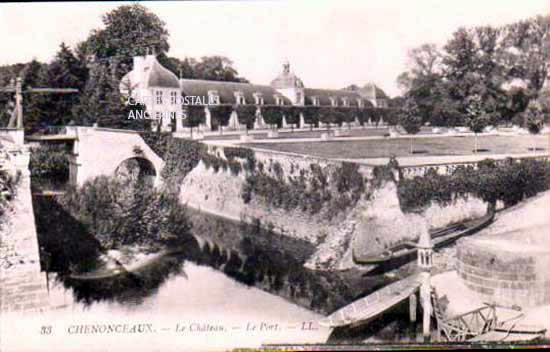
[[504, 270]]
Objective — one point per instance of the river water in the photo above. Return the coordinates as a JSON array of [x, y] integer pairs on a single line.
[[234, 286]]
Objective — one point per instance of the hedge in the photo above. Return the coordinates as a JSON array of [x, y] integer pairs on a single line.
[[195, 115], [220, 114], [246, 114], [510, 181], [272, 114]]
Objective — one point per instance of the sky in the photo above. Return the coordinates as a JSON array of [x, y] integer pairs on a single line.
[[329, 44]]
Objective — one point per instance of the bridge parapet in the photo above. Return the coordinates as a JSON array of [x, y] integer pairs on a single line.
[[100, 151]]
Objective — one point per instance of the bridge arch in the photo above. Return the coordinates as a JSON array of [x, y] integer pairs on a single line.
[[102, 151], [137, 168]]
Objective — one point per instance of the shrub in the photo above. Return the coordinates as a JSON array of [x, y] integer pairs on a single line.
[[246, 114], [119, 213], [510, 181], [220, 114]]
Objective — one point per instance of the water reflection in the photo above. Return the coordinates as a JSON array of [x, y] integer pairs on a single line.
[[248, 254]]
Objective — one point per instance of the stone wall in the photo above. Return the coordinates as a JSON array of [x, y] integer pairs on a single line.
[[507, 273], [23, 286], [220, 193]]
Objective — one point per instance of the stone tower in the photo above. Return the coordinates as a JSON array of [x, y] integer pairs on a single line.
[[289, 85]]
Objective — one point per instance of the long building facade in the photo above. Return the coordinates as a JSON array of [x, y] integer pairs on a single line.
[[164, 94]]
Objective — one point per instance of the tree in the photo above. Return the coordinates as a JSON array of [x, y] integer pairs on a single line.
[[410, 120], [246, 114], [272, 115], [527, 54], [32, 111], [292, 115], [216, 68], [423, 82], [329, 116], [195, 115], [312, 116], [476, 118], [534, 120], [130, 30], [65, 71]]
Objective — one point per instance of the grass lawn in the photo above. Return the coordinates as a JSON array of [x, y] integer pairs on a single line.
[[401, 147], [305, 134]]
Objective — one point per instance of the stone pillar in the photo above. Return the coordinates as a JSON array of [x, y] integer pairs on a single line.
[[179, 122], [412, 307], [19, 102], [425, 296], [425, 263]]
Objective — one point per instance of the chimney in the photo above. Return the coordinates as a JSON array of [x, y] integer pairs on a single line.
[[138, 63]]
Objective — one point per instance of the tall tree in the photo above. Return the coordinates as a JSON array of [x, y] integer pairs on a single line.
[[534, 120], [476, 117], [410, 120], [65, 71], [130, 30], [527, 54]]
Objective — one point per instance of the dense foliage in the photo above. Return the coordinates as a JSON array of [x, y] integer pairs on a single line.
[[273, 115], [120, 213], [246, 114], [49, 166], [483, 61], [509, 181], [8, 187], [220, 114], [311, 191]]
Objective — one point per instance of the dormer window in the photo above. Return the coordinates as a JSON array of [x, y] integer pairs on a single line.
[[239, 98], [315, 101], [158, 95], [174, 97], [279, 100], [258, 98], [213, 97], [333, 101]]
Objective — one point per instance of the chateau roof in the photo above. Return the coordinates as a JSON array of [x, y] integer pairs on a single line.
[[372, 91], [160, 76], [226, 91], [287, 79], [149, 73], [325, 94]]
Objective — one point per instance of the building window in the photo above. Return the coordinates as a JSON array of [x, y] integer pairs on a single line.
[[360, 103], [158, 95], [158, 115], [345, 102], [174, 98], [239, 98], [315, 101], [213, 97], [298, 97], [258, 98], [333, 101]]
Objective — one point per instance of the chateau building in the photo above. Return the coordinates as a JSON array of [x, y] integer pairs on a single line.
[[163, 93]]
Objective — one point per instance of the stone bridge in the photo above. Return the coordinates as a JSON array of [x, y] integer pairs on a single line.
[[101, 151]]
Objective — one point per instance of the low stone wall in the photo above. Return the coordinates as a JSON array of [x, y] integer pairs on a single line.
[[506, 272], [23, 286]]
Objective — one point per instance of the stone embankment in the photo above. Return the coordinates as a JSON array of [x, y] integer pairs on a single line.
[[508, 262], [23, 286], [370, 224]]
